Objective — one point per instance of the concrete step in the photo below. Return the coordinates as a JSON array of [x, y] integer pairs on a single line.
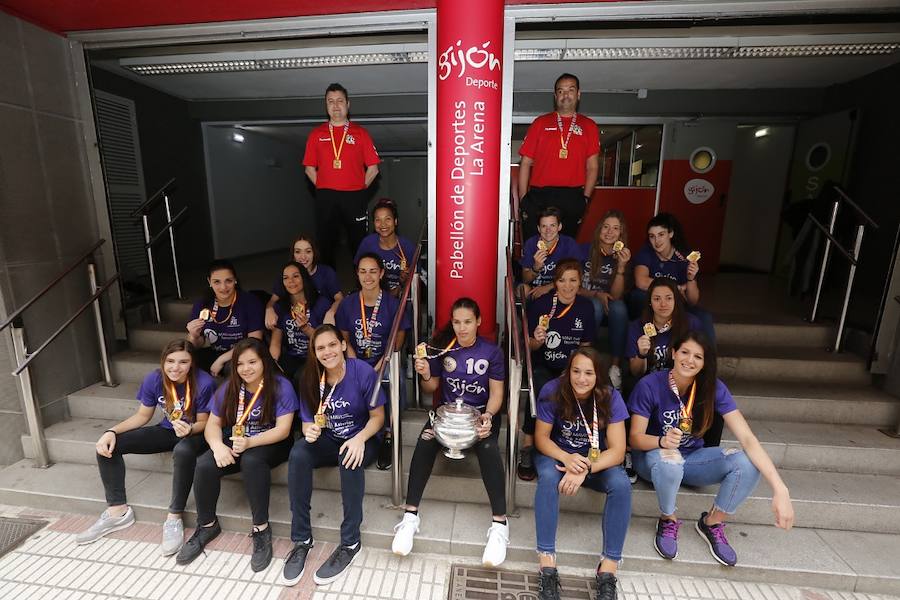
[[176, 312], [131, 366], [842, 501], [773, 332], [154, 337], [790, 363], [771, 399], [862, 562]]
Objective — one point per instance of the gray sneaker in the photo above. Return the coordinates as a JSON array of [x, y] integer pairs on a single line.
[[172, 537], [105, 524]]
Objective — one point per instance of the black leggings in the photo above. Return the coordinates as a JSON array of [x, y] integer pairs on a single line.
[[152, 440], [255, 466], [492, 473]]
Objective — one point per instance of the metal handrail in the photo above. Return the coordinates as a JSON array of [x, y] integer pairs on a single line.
[[148, 204], [25, 358], [529, 369], [856, 207], [84, 256], [393, 363], [832, 239], [166, 228], [514, 386]]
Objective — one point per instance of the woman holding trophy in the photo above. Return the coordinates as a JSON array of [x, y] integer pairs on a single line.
[[465, 373], [671, 410]]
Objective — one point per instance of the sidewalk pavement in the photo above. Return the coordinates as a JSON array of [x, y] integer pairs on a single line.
[[127, 564]]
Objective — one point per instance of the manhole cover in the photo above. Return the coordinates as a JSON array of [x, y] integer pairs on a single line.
[[14, 531], [478, 583]]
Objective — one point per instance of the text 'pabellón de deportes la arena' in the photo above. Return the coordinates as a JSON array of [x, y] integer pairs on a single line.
[[588, 294]]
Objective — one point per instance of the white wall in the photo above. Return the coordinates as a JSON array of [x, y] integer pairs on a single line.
[[258, 194], [753, 214]]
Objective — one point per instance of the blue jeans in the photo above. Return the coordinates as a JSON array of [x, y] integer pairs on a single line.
[[617, 318], [306, 457], [637, 300], [616, 513], [728, 467]]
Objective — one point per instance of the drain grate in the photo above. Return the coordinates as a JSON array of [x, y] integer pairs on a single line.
[[477, 583], [15, 531]]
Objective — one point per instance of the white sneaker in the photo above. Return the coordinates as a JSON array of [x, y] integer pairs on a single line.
[[404, 532], [615, 377], [495, 549], [172, 537]]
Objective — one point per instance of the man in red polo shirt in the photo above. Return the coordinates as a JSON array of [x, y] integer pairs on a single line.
[[342, 162], [559, 160]]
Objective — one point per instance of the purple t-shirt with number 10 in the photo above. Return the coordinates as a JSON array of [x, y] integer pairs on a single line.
[[466, 372]]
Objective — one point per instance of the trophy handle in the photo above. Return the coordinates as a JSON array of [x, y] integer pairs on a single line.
[[431, 417]]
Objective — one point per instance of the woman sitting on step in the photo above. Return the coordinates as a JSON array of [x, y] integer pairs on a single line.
[[341, 413], [249, 433], [225, 316], [324, 278], [580, 438], [183, 393], [459, 364], [671, 410]]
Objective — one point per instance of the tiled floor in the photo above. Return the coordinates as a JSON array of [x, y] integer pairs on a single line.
[[127, 565]]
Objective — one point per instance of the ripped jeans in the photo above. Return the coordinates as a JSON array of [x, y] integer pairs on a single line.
[[729, 467]]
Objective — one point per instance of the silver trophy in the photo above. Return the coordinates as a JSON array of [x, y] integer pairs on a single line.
[[454, 427]]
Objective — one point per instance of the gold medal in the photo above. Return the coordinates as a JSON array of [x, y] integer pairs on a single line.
[[321, 421], [368, 352], [403, 264], [237, 431], [563, 153], [685, 425], [422, 350], [176, 415], [594, 454], [204, 314], [541, 245], [544, 321], [693, 256], [649, 330], [617, 247], [336, 163]]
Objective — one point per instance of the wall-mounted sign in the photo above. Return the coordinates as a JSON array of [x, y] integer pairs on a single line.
[[698, 191]]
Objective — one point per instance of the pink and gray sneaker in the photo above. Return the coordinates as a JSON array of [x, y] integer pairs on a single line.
[[666, 540], [714, 535]]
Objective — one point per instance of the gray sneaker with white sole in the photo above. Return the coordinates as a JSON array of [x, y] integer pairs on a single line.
[[104, 525], [172, 537]]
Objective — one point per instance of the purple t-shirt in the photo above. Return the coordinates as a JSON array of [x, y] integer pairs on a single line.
[[572, 437], [565, 332], [151, 393], [285, 403], [248, 316], [293, 340], [652, 398], [659, 344], [348, 319], [390, 257], [466, 372], [348, 409], [674, 268], [325, 280], [566, 248], [605, 275]]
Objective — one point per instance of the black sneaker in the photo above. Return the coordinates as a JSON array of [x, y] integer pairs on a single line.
[[197, 542], [385, 454], [548, 584], [525, 469], [262, 549], [606, 586], [336, 564], [295, 563], [629, 468]]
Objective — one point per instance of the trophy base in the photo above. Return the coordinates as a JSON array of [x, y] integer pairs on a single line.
[[454, 454]]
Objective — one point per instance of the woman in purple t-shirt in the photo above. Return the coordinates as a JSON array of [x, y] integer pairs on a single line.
[[670, 413], [648, 347], [305, 252], [299, 311], [183, 392], [249, 433], [396, 251], [222, 318], [461, 365], [580, 437]]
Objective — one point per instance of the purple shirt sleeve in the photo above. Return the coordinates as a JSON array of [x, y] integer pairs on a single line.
[[618, 411], [643, 401], [148, 392], [546, 408], [497, 369], [724, 400]]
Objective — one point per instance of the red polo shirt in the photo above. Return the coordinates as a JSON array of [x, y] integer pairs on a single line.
[[357, 154], [542, 145]]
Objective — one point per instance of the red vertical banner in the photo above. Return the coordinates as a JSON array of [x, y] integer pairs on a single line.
[[469, 94]]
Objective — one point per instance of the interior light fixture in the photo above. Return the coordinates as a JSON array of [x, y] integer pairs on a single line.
[[761, 132], [238, 137]]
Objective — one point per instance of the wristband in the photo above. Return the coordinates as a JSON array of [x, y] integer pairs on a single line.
[[694, 279], [423, 379], [642, 356], [112, 432], [659, 441]]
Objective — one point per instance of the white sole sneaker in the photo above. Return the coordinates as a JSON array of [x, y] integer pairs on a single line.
[[326, 580]]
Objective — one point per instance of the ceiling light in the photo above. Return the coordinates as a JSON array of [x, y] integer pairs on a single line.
[[816, 50], [761, 132], [238, 137]]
